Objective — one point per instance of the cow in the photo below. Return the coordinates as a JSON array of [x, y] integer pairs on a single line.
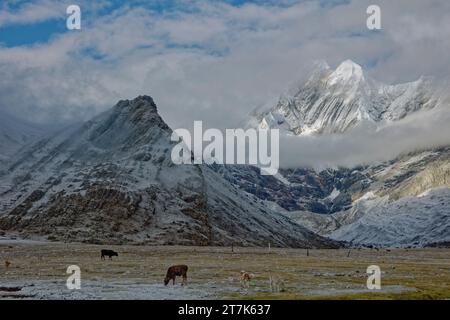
[[7, 264], [108, 253], [245, 278], [174, 271]]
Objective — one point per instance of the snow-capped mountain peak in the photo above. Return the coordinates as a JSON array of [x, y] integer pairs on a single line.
[[347, 72], [333, 101]]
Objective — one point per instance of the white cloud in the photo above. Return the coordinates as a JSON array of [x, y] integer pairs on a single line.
[[365, 145], [214, 62], [31, 12]]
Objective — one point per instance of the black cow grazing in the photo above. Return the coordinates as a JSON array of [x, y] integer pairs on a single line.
[[108, 253], [175, 271]]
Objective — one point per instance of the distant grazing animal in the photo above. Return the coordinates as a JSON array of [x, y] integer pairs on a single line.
[[7, 264], [245, 278], [174, 271], [108, 253], [276, 284]]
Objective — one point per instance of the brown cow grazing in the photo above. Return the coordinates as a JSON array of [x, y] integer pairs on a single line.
[[245, 278], [175, 271], [7, 264]]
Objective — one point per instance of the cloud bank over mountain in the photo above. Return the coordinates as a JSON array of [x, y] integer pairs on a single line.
[[210, 61], [366, 144]]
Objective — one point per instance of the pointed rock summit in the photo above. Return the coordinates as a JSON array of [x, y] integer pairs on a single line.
[[143, 102]]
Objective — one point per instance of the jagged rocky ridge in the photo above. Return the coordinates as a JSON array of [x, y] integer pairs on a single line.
[[112, 181]]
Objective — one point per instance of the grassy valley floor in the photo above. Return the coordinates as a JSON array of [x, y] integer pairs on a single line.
[[38, 271]]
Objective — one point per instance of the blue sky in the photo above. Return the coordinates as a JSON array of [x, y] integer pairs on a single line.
[[39, 32], [42, 31], [29, 34]]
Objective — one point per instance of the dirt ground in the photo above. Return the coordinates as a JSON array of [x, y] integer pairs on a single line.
[[38, 271]]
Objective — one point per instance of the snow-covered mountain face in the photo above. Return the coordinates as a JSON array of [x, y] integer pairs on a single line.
[[411, 221], [14, 134], [333, 101], [371, 205], [396, 203], [405, 203], [297, 189], [112, 181]]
